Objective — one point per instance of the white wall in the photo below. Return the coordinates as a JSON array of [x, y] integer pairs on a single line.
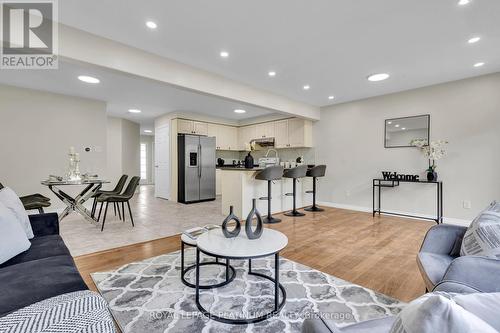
[[149, 141], [123, 149], [349, 139], [36, 131]]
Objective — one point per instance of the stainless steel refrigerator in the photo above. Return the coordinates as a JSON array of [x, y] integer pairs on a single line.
[[196, 168]]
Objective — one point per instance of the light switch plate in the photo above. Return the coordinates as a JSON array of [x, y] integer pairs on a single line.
[[467, 204]]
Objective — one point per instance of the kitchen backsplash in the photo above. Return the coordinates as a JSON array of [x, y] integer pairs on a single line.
[[289, 154]]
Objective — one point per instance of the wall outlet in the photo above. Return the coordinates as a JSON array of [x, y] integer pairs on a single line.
[[466, 204], [98, 149]]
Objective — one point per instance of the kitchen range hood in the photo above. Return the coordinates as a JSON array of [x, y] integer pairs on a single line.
[[262, 142]]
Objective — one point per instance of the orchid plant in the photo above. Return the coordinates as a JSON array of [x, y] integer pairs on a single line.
[[435, 150]]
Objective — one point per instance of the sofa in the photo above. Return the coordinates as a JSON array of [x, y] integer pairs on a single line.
[[44, 271], [443, 269]]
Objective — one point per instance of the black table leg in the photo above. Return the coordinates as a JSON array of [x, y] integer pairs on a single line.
[[373, 197], [197, 283], [276, 282]]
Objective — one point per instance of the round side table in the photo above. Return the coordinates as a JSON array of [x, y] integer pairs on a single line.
[[230, 272]]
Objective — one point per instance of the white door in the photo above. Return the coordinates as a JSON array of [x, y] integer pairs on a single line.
[[162, 162]]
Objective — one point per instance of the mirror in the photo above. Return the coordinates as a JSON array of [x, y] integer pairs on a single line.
[[401, 132]]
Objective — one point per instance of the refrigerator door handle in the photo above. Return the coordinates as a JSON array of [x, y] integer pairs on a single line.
[[199, 161]]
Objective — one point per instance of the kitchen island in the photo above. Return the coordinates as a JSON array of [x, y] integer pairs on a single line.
[[239, 187]]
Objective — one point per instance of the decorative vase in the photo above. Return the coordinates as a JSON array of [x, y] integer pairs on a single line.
[[253, 234], [231, 217], [432, 176]]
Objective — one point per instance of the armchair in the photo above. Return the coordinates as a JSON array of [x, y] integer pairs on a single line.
[[443, 269]]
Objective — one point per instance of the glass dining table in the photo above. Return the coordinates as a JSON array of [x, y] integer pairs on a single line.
[[75, 203]]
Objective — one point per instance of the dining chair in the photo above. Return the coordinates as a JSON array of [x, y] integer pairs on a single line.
[[119, 198], [118, 188]]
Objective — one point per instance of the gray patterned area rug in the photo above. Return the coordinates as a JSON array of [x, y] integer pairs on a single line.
[[148, 296]]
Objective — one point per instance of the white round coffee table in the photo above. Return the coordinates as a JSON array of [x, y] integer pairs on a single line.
[[214, 243]]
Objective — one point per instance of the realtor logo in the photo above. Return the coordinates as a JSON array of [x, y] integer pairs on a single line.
[[29, 34]]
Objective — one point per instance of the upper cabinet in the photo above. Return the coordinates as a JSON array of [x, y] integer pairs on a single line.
[[192, 127], [264, 130], [287, 133]]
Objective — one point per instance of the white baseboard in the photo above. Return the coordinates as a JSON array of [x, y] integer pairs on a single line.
[[448, 220]]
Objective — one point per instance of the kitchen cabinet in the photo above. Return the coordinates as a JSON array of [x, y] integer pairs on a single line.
[[281, 139], [245, 135], [299, 133], [218, 182], [192, 127], [265, 130], [226, 137]]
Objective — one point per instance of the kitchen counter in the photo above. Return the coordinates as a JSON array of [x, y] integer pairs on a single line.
[[239, 188]]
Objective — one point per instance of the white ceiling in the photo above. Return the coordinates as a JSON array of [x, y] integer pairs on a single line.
[[123, 92], [331, 45]]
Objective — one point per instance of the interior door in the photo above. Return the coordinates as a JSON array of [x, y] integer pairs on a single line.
[[207, 171], [162, 162]]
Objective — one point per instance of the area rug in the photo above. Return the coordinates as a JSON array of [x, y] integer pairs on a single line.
[[148, 296]]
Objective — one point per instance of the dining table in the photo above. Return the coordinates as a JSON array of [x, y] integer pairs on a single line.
[[75, 203]]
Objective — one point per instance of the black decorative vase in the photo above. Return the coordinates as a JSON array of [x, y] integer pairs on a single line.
[[253, 234], [231, 217], [432, 176], [249, 161]]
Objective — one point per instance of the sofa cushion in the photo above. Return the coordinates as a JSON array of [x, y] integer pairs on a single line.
[[30, 282], [11, 200], [433, 267], [41, 247], [382, 325], [77, 312], [482, 238], [440, 312], [13, 240]]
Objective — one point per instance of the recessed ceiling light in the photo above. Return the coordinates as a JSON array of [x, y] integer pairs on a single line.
[[88, 79], [479, 64], [134, 111], [239, 111], [474, 40], [307, 87], [389, 122], [224, 54], [151, 25], [272, 73], [397, 125], [148, 131], [463, 2], [331, 97], [378, 77], [403, 128]]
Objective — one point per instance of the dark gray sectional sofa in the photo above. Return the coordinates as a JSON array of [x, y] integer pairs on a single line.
[[45, 270]]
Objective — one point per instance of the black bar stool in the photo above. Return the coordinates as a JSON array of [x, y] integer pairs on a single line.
[[295, 173], [315, 172], [270, 173]]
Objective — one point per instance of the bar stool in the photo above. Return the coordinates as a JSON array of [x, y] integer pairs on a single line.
[[295, 173], [315, 172], [270, 173]]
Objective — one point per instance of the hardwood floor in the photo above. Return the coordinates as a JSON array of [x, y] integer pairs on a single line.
[[378, 253]]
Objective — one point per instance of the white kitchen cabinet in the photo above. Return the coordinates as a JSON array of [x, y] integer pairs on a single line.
[[245, 135], [281, 134], [299, 133], [185, 126], [192, 127], [265, 130], [226, 137], [218, 182], [200, 128]]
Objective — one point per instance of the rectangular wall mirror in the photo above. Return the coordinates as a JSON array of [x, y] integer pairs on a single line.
[[400, 132]]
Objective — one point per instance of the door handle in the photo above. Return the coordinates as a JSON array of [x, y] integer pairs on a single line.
[[199, 161]]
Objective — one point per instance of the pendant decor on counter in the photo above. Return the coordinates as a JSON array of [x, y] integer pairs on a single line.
[[253, 234], [231, 217], [249, 161]]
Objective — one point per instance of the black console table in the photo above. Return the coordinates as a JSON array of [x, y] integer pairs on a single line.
[[379, 183]]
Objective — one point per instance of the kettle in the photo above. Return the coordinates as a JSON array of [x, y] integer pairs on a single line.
[[249, 161]]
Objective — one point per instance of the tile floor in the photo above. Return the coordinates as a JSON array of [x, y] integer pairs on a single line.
[[154, 218]]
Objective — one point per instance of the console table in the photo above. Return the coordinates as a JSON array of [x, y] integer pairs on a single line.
[[378, 183]]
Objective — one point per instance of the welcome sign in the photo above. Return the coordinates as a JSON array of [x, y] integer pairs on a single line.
[[396, 176]]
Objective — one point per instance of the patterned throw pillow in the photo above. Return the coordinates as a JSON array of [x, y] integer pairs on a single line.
[[77, 312], [482, 238], [448, 313]]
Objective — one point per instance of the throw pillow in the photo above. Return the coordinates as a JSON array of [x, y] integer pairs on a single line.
[[10, 200], [482, 238], [13, 240], [438, 312]]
